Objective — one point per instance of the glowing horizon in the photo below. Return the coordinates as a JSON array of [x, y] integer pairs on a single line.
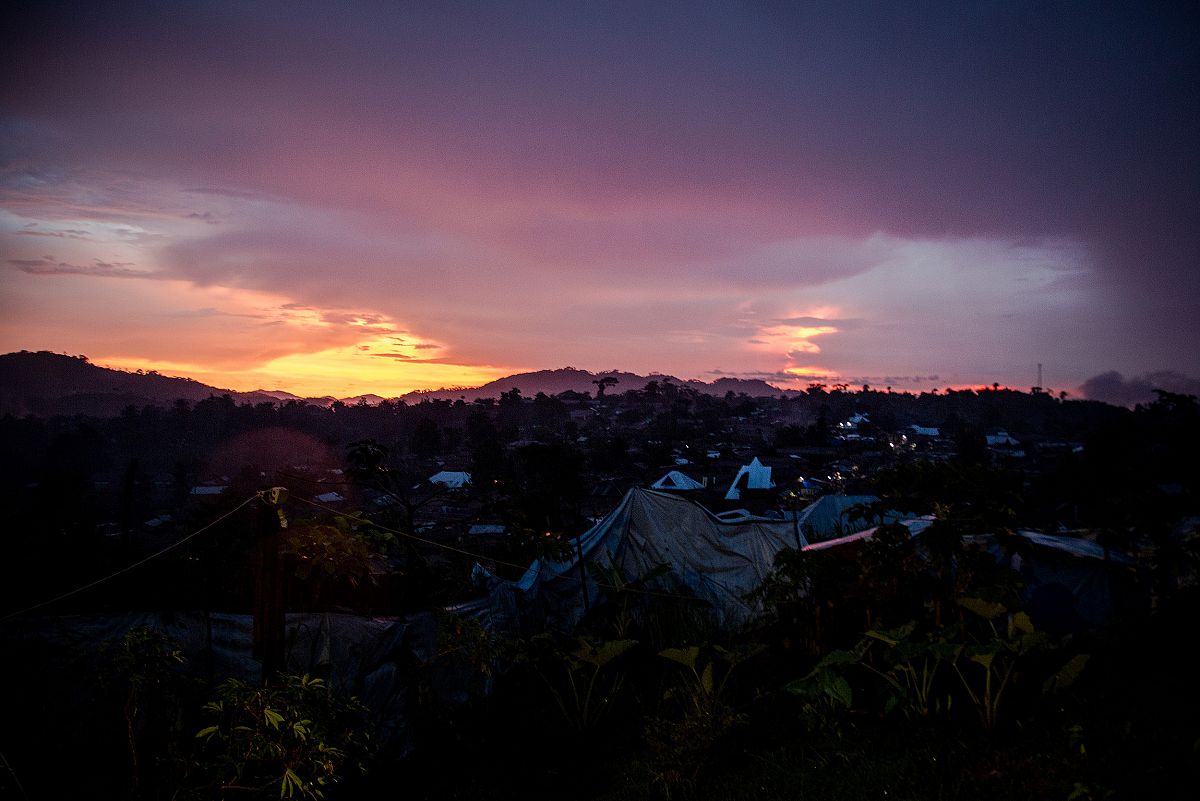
[[498, 193]]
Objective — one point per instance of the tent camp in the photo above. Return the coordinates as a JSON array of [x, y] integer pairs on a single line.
[[714, 561], [1067, 583], [719, 561]]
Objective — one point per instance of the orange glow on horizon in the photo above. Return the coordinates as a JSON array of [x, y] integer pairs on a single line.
[[376, 365]]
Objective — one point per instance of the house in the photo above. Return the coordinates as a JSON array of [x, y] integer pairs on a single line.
[[853, 422], [487, 530], [1001, 439]]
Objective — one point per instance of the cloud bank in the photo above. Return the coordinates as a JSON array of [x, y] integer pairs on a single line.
[[1112, 387], [964, 191]]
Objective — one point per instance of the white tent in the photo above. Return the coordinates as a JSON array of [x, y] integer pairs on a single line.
[[675, 480], [451, 479], [755, 475]]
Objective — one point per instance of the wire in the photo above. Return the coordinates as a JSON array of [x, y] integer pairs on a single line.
[[127, 568], [399, 533], [483, 558], [321, 481]]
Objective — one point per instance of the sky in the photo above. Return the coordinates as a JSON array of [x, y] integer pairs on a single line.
[[379, 197]]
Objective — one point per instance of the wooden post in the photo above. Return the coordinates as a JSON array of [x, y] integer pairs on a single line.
[[268, 584], [582, 576]]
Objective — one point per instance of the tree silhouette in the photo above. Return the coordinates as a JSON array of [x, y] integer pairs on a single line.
[[604, 383]]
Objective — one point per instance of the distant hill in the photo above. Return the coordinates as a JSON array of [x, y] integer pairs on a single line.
[[371, 399], [552, 382], [47, 384]]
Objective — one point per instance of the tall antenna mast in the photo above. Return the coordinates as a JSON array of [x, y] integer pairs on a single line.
[[1039, 383]]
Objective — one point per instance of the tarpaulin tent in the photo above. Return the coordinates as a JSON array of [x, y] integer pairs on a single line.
[[712, 560]]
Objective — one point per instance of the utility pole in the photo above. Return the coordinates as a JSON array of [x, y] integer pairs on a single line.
[[268, 583], [587, 607]]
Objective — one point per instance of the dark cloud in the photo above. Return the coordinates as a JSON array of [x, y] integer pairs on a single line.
[[31, 229], [209, 311], [877, 381], [404, 357], [99, 269], [815, 322], [338, 317], [1112, 387], [768, 375]]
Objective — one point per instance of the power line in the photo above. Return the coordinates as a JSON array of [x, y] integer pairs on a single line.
[[434, 543], [127, 568], [321, 481]]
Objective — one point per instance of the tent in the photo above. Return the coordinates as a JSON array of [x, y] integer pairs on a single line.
[[451, 479], [675, 480], [827, 517], [712, 560], [914, 525], [753, 476], [1069, 582]]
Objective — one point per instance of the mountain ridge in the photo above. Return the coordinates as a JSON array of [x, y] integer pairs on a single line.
[[564, 379], [46, 383]]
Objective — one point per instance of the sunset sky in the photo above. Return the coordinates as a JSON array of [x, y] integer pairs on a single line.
[[343, 198]]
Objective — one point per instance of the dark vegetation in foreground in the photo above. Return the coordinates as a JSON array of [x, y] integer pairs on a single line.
[[904, 668]]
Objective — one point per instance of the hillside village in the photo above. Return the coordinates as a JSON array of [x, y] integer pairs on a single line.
[[651, 519], [484, 470]]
